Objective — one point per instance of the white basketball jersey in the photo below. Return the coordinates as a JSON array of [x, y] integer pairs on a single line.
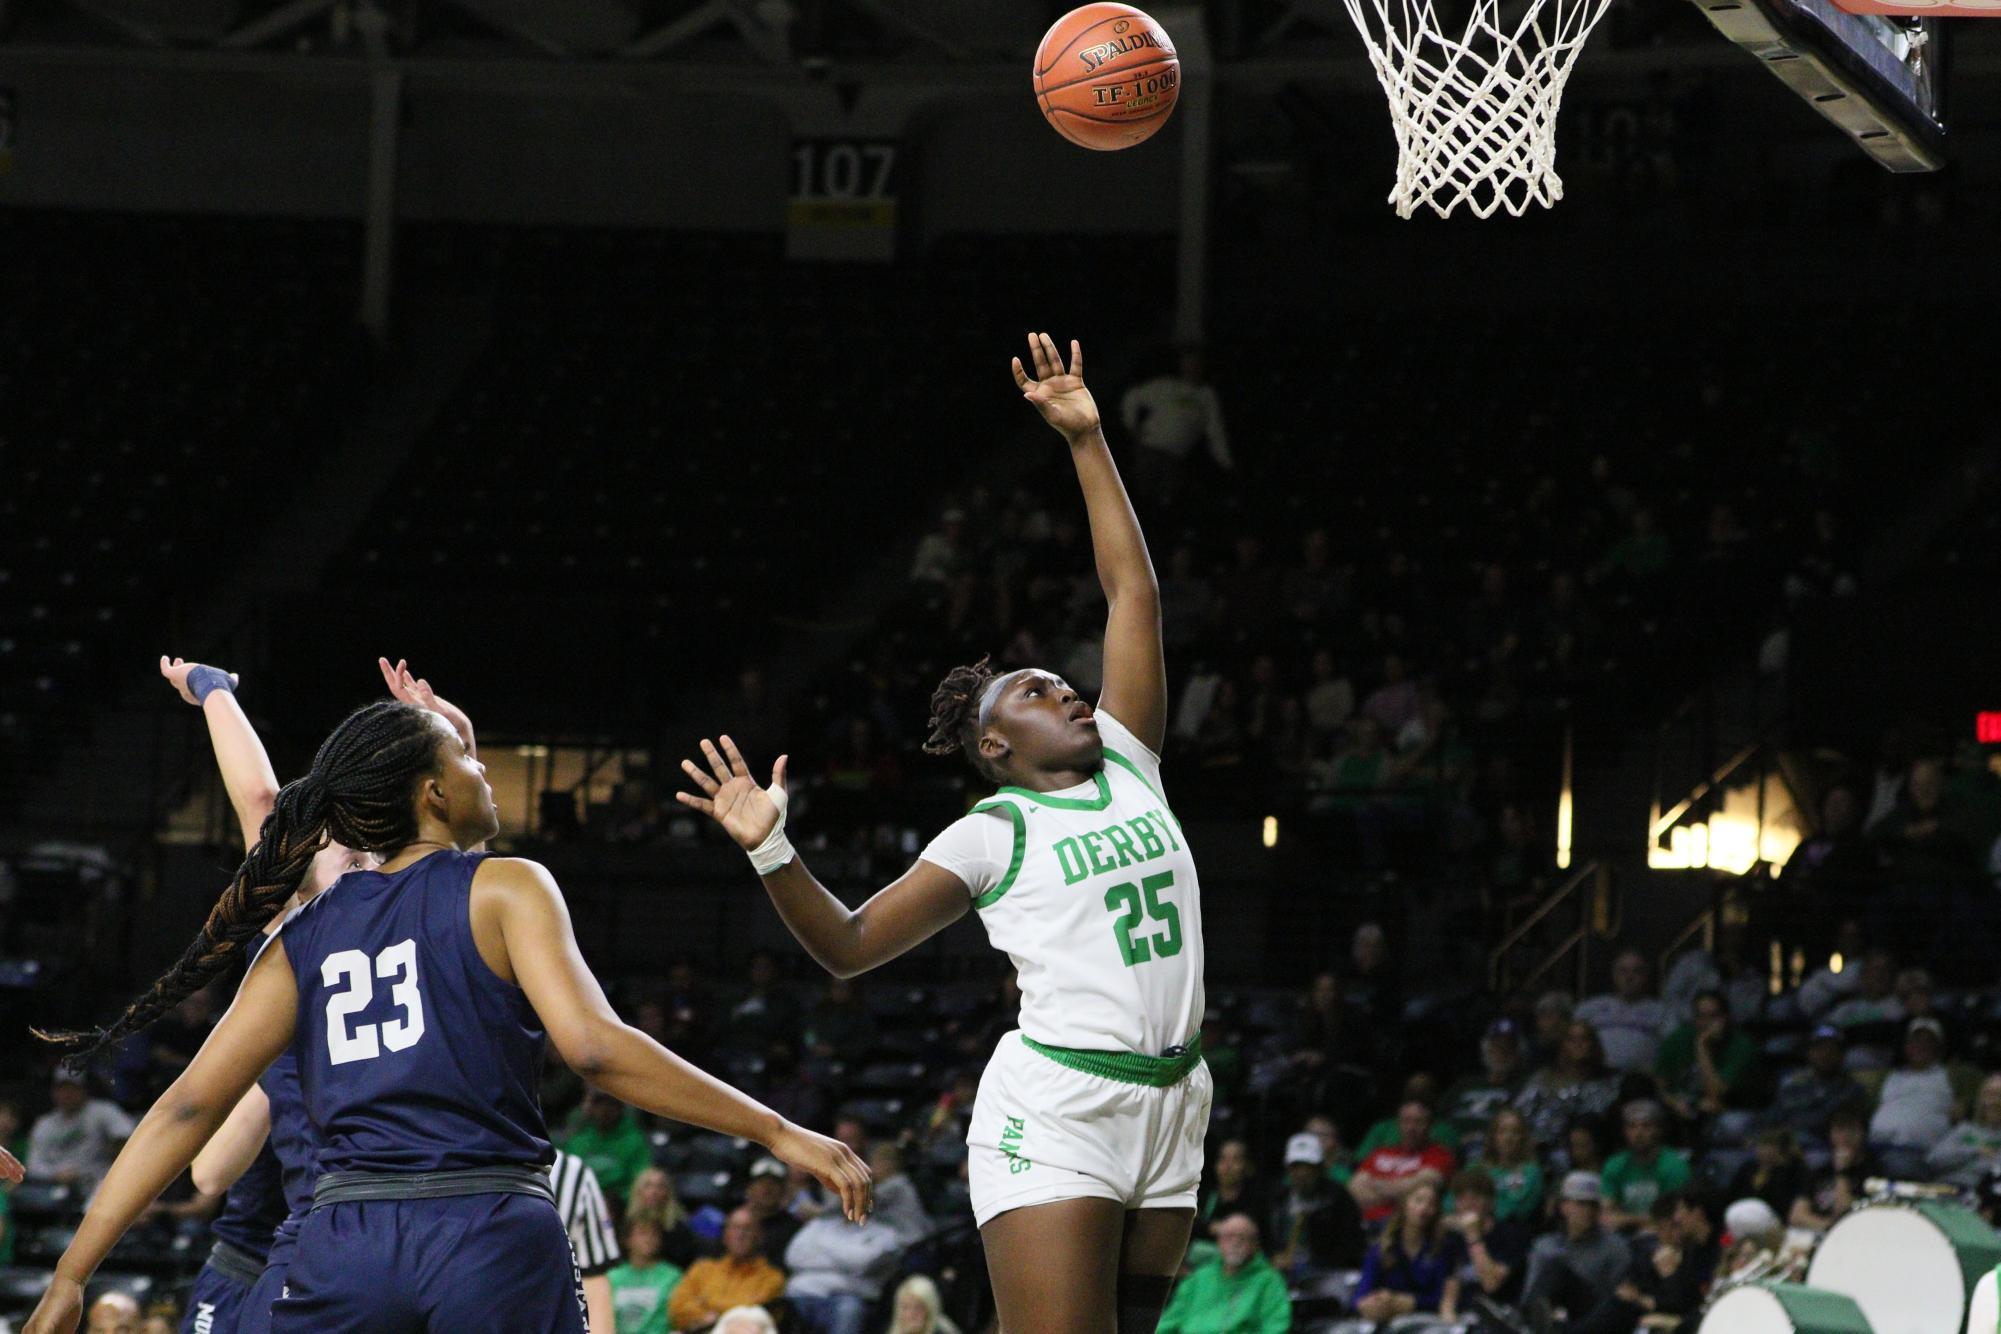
[[1099, 908]]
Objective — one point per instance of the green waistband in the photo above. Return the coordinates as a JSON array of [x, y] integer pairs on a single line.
[[1127, 1067]]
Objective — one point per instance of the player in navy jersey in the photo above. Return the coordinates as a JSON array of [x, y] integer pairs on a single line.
[[417, 997], [270, 1121], [254, 1202]]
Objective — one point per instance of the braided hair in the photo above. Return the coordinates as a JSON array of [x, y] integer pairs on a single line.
[[358, 793], [955, 716]]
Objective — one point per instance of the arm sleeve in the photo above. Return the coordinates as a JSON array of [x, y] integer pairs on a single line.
[[689, 1299], [978, 848]]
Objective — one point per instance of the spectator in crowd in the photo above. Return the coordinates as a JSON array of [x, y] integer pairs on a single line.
[[1809, 1094], [1646, 1170], [1672, 1268], [837, 1271], [75, 1141], [1497, 1249], [1389, 1174], [853, 1132], [746, 1320], [1371, 986], [1755, 1232], [1972, 1151], [1709, 1065], [947, 1121], [1422, 1088], [1914, 1109], [1586, 1146], [1629, 1020], [1832, 1190], [1872, 1012], [1921, 841], [763, 1015], [740, 1276], [1575, 1083], [114, 1313], [765, 1196], [1552, 1013], [1331, 1047], [643, 1286], [1776, 1173], [1472, 1099], [897, 1206], [1509, 1158], [654, 1200], [1238, 1292], [1232, 1188], [1167, 417], [917, 1309], [1833, 874], [605, 1133], [1415, 1263], [1579, 1268], [162, 1317], [1314, 1222], [1337, 1159], [839, 1028]]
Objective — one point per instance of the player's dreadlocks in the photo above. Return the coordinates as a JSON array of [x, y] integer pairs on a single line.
[[955, 716], [358, 793]]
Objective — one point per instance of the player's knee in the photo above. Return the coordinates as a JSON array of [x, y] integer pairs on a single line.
[[1142, 1297]]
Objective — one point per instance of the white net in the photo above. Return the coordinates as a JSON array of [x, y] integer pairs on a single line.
[[1475, 114]]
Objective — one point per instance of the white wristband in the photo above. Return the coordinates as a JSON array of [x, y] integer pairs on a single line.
[[776, 850]]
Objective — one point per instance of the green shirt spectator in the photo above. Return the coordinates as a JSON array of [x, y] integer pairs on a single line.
[[1517, 1190], [606, 1135], [1706, 1065], [1236, 1293], [642, 1287], [1644, 1172]]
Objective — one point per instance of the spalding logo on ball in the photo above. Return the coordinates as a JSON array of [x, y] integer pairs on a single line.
[[1106, 76]]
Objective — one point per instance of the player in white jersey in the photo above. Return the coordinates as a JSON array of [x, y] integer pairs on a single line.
[[1086, 1137]]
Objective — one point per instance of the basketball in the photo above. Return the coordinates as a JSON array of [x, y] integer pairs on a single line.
[[1106, 76]]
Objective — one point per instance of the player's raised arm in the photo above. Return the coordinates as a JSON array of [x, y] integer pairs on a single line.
[[246, 769], [407, 686], [521, 899], [246, 1040], [1135, 666], [918, 905]]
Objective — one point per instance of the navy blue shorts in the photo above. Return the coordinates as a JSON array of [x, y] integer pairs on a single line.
[[270, 1285], [470, 1262], [216, 1304]]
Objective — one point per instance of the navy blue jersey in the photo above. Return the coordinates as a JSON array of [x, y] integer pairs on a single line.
[[413, 1055], [254, 1206], [291, 1137]]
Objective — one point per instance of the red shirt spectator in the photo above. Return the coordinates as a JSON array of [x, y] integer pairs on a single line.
[[1393, 1171]]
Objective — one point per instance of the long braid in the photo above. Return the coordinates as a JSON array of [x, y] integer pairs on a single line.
[[358, 793], [955, 714]]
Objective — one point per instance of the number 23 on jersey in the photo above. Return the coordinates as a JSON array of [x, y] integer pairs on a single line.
[[355, 974]]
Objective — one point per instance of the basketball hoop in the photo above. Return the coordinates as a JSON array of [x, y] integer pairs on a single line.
[[1475, 114]]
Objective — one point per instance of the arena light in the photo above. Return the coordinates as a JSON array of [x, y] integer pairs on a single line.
[[1563, 810], [1987, 727], [1271, 831]]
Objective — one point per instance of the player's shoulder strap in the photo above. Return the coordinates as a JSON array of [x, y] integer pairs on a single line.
[[1004, 803]]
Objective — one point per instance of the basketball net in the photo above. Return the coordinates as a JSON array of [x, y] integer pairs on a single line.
[[1475, 115]]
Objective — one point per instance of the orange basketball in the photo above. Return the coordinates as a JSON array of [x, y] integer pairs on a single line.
[[1106, 76]]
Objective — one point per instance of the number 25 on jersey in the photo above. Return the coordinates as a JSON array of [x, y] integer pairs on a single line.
[[355, 973]]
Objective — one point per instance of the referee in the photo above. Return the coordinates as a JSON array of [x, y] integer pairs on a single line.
[[593, 1238]]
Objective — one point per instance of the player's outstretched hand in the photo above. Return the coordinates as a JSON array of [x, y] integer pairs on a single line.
[[407, 686], [1058, 394], [833, 1164], [731, 797], [60, 1311], [11, 1170], [176, 671]]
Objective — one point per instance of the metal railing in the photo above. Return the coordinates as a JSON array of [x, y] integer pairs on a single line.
[[1591, 915]]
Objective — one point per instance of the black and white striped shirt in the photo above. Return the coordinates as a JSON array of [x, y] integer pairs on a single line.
[[580, 1203]]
